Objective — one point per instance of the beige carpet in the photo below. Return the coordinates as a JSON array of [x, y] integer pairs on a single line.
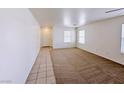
[[75, 66]]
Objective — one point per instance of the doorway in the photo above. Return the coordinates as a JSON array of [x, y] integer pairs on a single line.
[[46, 39]]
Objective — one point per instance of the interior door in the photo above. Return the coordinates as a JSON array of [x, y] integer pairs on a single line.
[[47, 37]]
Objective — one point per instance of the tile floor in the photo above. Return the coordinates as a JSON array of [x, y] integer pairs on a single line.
[[42, 70]]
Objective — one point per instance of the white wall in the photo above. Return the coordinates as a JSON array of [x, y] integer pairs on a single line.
[[19, 44], [104, 38], [58, 37]]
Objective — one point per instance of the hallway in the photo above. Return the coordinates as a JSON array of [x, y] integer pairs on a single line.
[[42, 70]]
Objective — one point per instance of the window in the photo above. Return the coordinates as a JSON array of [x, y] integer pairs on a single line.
[[81, 36], [67, 36], [122, 39]]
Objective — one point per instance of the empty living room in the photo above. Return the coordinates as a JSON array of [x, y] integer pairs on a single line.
[[62, 46]]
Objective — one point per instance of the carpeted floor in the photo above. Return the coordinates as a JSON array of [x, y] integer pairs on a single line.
[[75, 66]]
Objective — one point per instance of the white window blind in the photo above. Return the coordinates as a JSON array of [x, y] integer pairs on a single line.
[[122, 39], [67, 36], [81, 36]]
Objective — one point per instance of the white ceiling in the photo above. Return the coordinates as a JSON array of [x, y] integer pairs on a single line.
[[69, 17]]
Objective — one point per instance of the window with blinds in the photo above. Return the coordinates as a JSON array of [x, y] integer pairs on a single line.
[[81, 37], [67, 36], [122, 39]]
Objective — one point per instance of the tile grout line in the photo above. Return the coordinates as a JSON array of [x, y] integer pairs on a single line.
[[46, 69], [37, 74], [52, 63]]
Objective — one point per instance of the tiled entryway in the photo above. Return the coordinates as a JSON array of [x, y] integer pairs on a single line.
[[42, 70]]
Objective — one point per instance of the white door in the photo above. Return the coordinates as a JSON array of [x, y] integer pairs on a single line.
[[46, 37]]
